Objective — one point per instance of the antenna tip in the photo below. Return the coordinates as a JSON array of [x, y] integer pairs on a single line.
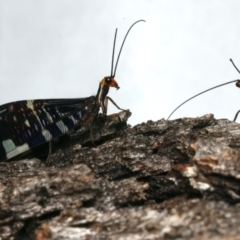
[[230, 60]]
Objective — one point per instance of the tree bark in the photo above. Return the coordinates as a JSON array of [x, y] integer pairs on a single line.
[[176, 179]]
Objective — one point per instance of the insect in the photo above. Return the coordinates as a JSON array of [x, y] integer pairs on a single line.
[[237, 81], [29, 123]]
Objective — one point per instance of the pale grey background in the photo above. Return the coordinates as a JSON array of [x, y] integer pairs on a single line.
[[62, 49]]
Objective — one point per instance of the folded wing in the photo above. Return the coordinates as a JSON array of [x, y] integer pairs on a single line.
[[30, 123]]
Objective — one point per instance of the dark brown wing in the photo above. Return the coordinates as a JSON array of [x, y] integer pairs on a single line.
[[30, 123]]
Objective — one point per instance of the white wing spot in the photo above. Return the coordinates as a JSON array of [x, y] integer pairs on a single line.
[[62, 127], [8, 145], [27, 123], [47, 135], [11, 149]]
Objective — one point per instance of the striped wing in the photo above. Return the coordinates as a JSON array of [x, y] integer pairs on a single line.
[[30, 123]]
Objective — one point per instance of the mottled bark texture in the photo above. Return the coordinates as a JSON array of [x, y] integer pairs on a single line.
[[176, 179]]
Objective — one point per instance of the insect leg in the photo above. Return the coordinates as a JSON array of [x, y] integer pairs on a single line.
[[113, 115], [94, 115], [235, 118], [49, 150], [115, 104], [91, 134]]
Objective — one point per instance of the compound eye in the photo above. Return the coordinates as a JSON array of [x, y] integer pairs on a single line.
[[108, 80], [238, 83]]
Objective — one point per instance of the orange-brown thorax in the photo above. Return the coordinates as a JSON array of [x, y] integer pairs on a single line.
[[103, 90]]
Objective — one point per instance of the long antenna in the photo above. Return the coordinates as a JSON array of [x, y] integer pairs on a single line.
[[200, 94], [115, 37], [237, 84], [234, 65], [114, 74]]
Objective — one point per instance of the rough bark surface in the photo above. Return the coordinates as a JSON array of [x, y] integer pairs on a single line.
[[175, 179]]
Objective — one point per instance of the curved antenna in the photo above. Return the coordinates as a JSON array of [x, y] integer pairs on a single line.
[[122, 46], [234, 65], [114, 42], [238, 82]]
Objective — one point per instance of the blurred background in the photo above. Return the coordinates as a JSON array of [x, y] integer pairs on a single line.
[[62, 49]]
